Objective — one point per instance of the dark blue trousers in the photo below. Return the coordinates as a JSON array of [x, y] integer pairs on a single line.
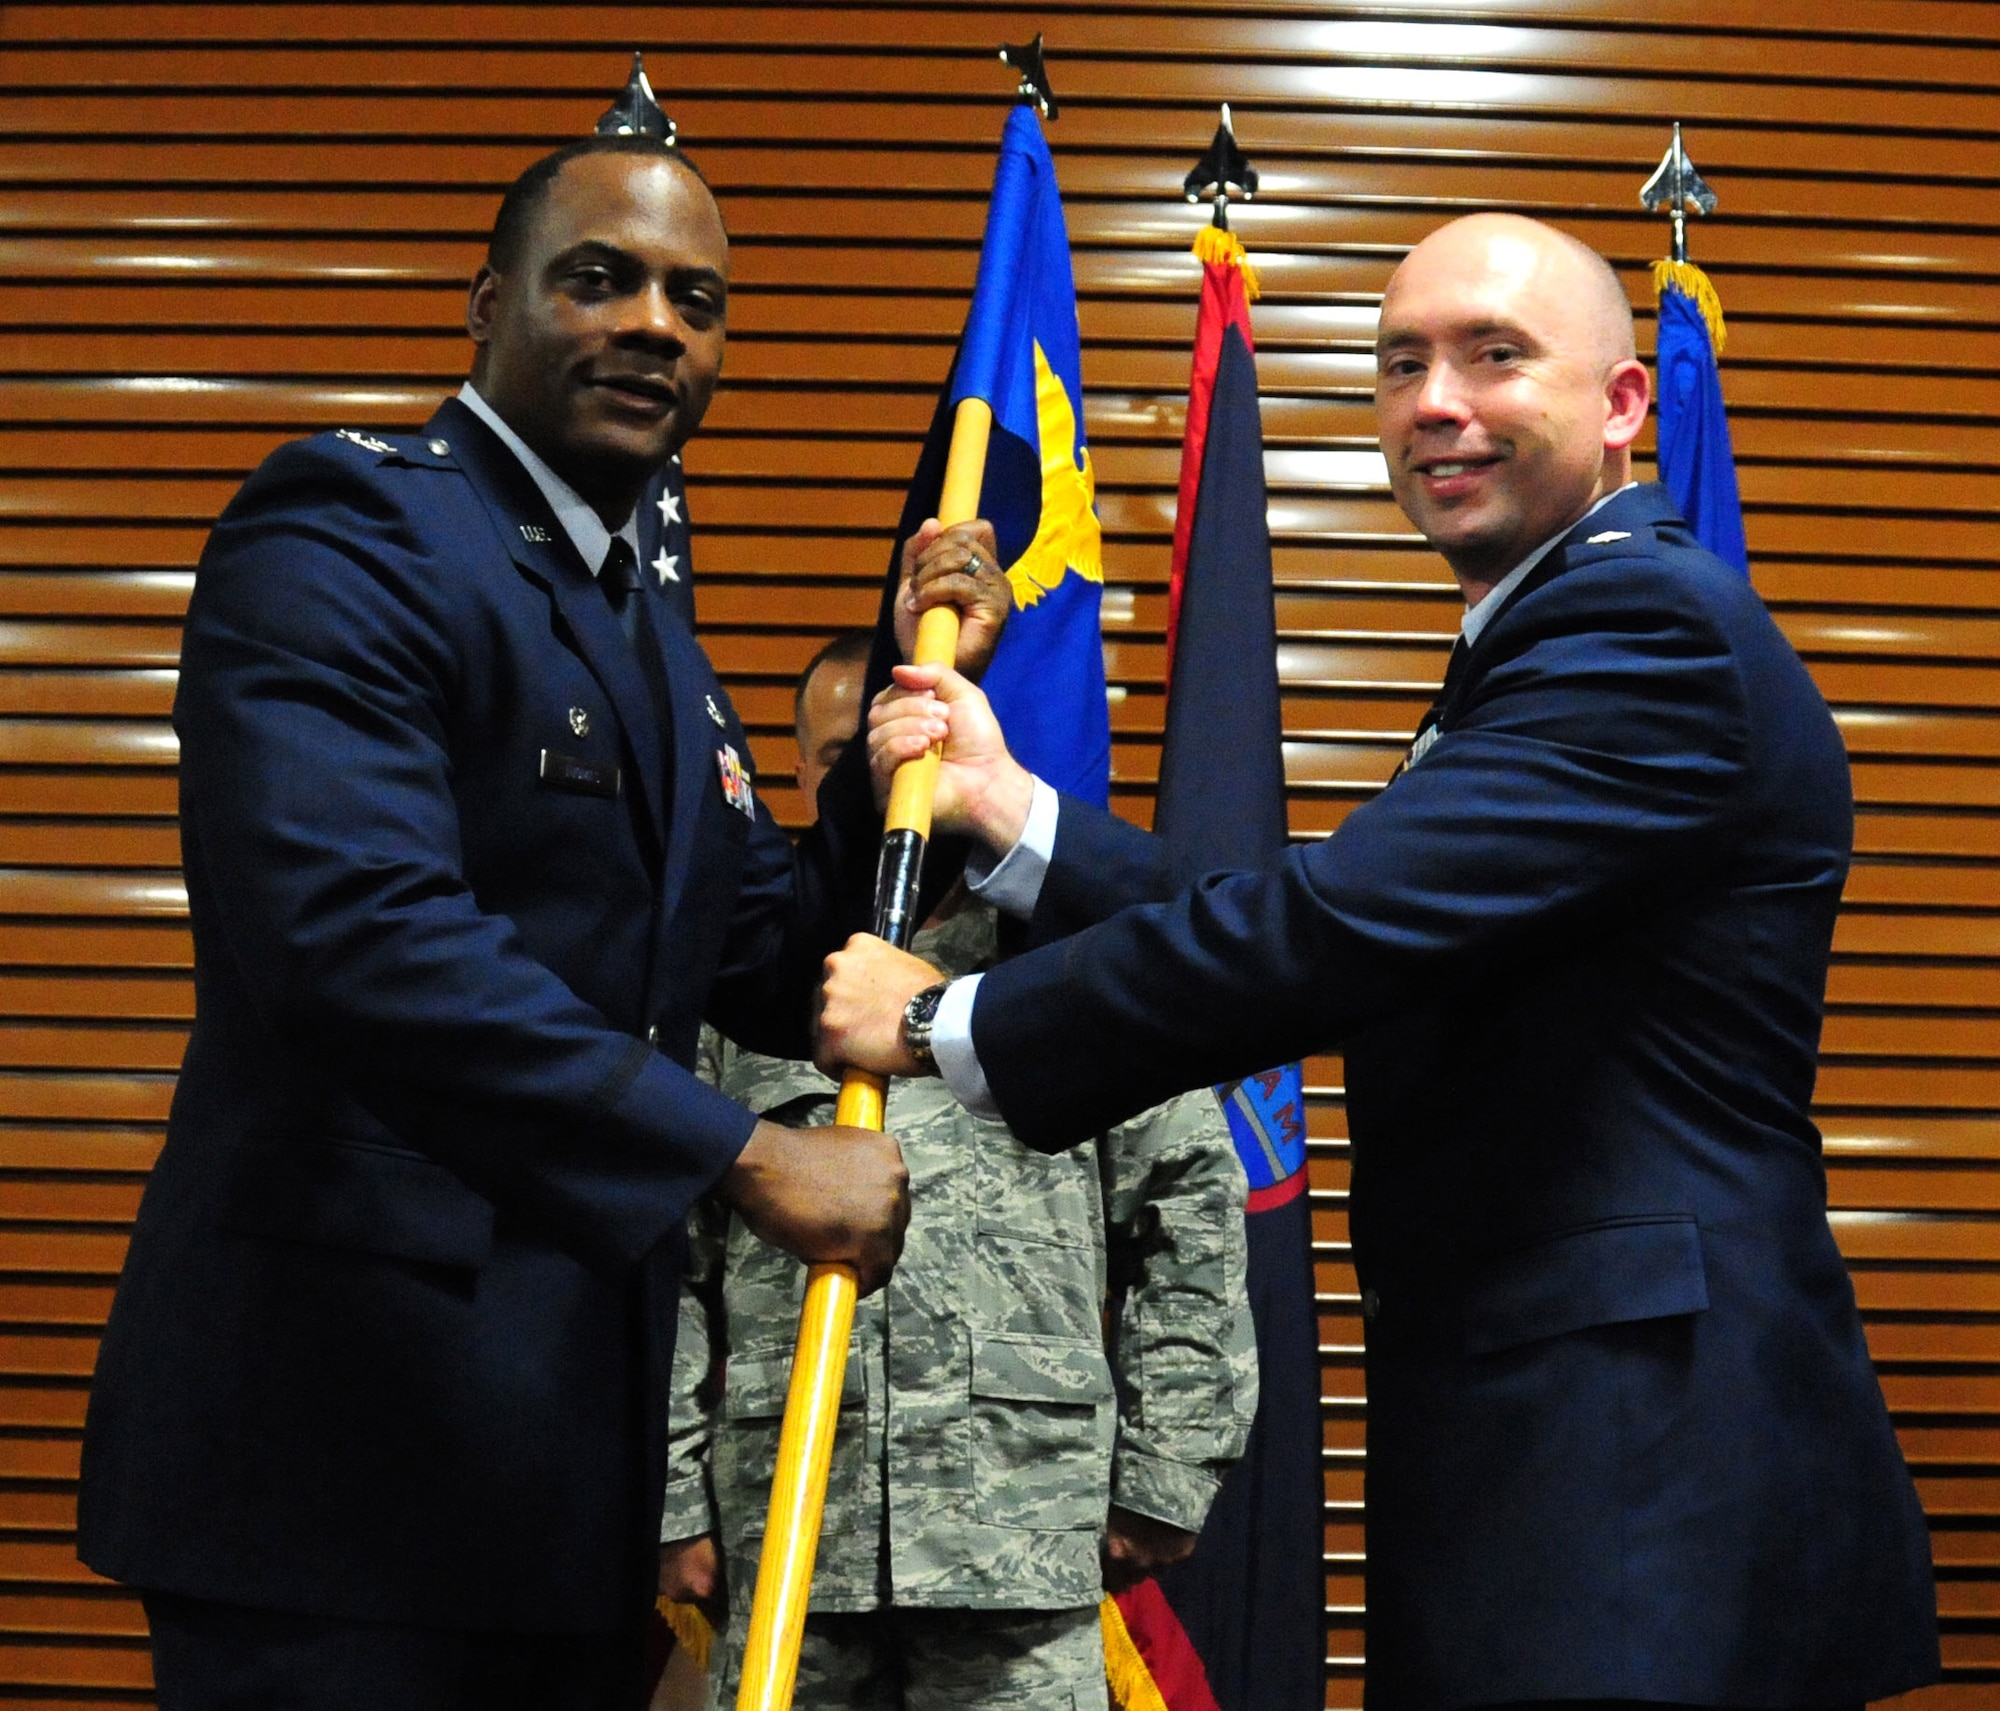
[[221, 1657], [1640, 1705]]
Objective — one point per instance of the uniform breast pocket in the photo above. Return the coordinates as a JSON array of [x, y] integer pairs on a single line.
[[1026, 1196], [1618, 1272], [746, 1451], [1042, 1429], [368, 1199]]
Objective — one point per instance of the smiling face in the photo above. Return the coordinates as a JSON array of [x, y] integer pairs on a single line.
[[1506, 390], [601, 343]]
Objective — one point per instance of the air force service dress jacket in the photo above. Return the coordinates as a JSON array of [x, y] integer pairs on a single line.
[[1624, 1439], [395, 1333]]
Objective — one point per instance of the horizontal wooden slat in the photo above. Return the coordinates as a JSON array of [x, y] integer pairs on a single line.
[[184, 282]]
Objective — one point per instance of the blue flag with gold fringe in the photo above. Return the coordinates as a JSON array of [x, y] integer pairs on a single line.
[[1696, 462]]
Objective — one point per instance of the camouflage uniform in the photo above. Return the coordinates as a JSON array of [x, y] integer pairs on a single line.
[[980, 1441]]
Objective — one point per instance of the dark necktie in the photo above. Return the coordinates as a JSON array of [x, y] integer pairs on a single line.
[[619, 578], [1454, 668], [625, 592]]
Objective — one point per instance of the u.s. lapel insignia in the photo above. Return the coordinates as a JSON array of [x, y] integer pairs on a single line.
[[1421, 747], [735, 781], [535, 532], [579, 721], [1609, 535], [367, 442], [715, 712]]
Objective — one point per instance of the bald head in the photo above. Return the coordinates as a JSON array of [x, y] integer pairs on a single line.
[[1507, 390], [1562, 271]]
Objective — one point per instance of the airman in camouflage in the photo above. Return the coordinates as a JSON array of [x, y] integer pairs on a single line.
[[985, 1436]]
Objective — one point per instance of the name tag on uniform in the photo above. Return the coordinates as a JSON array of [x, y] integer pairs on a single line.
[[1421, 747], [735, 781], [573, 772]]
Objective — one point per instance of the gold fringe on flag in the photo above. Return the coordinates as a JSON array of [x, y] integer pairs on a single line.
[[691, 1631], [1225, 249], [1690, 281], [1125, 1672]]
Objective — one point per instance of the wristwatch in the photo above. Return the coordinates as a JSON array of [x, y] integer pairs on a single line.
[[918, 1015]]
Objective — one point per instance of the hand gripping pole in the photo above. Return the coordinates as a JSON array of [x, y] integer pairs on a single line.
[[812, 1405]]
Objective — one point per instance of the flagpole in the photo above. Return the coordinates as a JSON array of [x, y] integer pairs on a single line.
[[812, 1404]]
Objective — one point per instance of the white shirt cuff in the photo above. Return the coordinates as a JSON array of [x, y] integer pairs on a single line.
[[951, 1045], [1013, 884]]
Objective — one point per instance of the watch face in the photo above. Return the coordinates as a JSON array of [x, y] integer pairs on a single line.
[[918, 1015]]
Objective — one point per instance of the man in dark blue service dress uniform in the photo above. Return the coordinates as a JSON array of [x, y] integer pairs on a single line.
[[1624, 1440], [472, 847]]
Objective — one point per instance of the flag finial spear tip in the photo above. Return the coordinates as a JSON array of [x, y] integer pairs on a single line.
[[1224, 171], [635, 112], [1676, 190], [1035, 89]]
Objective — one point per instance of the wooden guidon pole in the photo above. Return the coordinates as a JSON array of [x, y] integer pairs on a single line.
[[812, 1405]]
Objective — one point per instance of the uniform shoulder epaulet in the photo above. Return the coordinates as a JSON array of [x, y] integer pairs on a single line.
[[416, 449]]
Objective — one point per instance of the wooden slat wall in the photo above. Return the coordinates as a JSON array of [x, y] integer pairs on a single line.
[[223, 225]]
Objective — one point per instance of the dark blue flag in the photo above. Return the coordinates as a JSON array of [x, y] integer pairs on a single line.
[[1022, 353], [664, 544], [1252, 1597], [1696, 462]]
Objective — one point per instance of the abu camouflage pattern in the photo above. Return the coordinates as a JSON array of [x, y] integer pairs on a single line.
[[981, 1441]]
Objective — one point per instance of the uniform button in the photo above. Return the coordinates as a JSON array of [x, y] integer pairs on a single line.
[[1371, 1305], [440, 448], [653, 1035]]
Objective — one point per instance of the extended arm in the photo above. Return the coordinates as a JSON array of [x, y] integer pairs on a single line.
[[1599, 759]]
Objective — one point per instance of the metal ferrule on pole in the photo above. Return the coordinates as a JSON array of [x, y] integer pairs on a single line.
[[899, 875]]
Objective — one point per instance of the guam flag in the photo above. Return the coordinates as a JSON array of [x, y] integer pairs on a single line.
[[1696, 462], [1021, 353], [1241, 1624]]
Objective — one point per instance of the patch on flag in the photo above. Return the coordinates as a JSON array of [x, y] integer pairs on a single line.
[[1267, 1121]]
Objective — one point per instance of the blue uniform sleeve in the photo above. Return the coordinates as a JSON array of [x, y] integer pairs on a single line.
[[1599, 756]]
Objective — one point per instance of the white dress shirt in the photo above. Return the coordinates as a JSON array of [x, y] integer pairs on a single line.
[[584, 527]]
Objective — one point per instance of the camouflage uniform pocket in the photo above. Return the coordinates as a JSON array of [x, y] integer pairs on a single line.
[[1048, 1198], [1042, 1427], [746, 1448]]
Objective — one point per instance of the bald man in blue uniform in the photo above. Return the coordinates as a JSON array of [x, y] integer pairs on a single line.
[[1625, 1445]]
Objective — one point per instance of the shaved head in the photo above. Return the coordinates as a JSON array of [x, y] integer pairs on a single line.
[[1574, 277], [1508, 390]]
